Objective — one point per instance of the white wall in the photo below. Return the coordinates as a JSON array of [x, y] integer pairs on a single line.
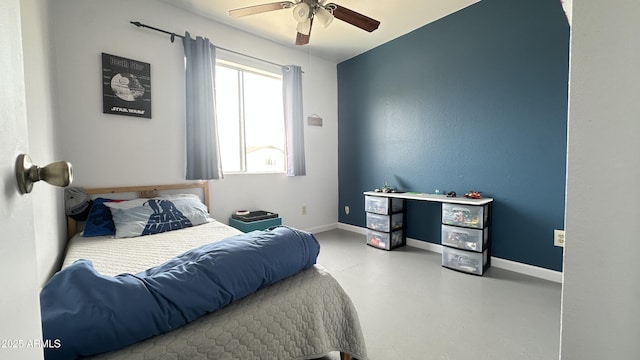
[[111, 150], [49, 221], [19, 307], [601, 291]]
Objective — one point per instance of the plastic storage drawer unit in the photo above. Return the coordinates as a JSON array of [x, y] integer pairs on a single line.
[[385, 222], [386, 241], [465, 215], [383, 205], [465, 261], [464, 238]]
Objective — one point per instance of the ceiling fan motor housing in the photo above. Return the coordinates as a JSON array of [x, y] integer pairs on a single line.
[[302, 12]]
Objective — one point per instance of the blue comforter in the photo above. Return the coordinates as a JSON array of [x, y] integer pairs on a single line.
[[90, 313]]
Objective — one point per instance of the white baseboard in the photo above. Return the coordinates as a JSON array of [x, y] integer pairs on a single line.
[[535, 271], [352, 228], [322, 228], [424, 245]]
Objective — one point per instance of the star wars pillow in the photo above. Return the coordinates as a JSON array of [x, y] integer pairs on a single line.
[[152, 216]]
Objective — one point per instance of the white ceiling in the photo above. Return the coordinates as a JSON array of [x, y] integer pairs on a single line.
[[340, 41]]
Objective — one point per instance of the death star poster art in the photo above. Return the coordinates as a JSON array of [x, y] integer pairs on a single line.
[[126, 86]]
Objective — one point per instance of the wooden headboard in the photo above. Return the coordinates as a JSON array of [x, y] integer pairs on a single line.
[[146, 191]]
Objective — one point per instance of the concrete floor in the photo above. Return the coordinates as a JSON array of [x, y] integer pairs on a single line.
[[410, 307]]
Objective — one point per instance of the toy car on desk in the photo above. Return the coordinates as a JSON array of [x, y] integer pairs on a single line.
[[473, 195]]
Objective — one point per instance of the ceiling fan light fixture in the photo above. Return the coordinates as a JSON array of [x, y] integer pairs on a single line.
[[306, 11], [324, 16], [304, 27], [301, 12]]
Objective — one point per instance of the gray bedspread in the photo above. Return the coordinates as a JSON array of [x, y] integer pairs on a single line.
[[302, 317]]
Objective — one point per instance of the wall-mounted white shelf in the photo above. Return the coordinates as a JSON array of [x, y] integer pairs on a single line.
[[431, 197]]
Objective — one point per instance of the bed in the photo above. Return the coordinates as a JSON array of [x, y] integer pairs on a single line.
[[304, 316]]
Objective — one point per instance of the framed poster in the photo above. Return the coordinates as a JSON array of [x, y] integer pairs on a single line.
[[126, 86]]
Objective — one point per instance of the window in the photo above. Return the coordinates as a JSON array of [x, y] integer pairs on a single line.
[[250, 118]]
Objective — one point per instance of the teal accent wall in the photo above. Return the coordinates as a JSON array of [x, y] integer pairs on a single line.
[[474, 101]]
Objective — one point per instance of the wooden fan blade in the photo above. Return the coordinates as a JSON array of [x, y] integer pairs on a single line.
[[352, 17], [302, 39], [257, 9]]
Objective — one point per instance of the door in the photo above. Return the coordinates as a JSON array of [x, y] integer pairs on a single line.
[[20, 329]]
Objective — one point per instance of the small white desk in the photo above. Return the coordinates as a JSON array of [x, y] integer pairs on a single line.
[[457, 254]]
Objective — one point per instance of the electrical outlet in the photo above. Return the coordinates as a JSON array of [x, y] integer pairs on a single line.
[[346, 210], [558, 238], [304, 209]]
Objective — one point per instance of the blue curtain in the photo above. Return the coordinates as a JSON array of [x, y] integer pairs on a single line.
[[293, 119], [203, 152]]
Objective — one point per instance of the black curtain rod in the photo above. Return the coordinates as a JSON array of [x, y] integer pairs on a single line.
[[173, 36]]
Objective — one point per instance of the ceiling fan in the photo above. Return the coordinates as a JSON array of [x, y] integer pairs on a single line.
[[305, 11]]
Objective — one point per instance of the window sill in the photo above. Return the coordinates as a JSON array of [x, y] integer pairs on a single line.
[[255, 173]]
